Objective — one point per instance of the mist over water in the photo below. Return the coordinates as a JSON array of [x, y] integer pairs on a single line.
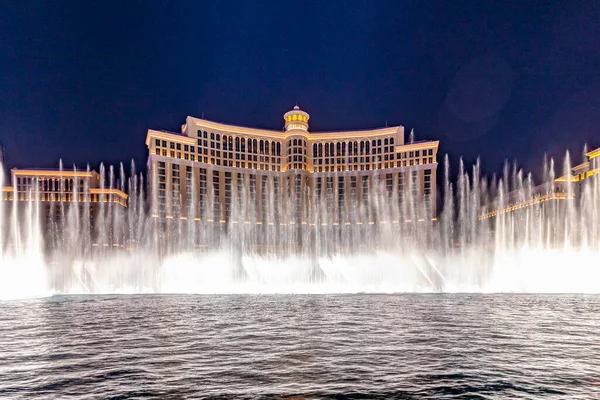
[[384, 246]]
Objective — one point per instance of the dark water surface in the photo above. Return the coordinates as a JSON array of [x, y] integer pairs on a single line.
[[301, 347]]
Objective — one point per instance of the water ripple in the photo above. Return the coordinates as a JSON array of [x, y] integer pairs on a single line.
[[301, 347]]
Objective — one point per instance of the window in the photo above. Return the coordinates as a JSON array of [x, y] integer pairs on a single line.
[[157, 142]]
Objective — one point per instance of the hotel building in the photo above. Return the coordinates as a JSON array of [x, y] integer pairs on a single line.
[[279, 176], [58, 191], [566, 187]]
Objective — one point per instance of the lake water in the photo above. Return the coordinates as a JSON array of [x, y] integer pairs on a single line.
[[436, 346]]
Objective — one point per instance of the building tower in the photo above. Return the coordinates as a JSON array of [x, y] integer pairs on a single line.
[[296, 119]]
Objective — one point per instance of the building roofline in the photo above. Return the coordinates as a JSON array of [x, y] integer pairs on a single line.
[[235, 128], [117, 192], [284, 134], [168, 136], [52, 172], [421, 144], [593, 153], [362, 132]]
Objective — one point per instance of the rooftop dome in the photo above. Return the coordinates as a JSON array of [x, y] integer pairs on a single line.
[[296, 119]]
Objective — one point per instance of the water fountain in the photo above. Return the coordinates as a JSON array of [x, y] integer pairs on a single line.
[[22, 263], [502, 234]]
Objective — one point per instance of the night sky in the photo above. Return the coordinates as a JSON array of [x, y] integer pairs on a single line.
[[83, 81]]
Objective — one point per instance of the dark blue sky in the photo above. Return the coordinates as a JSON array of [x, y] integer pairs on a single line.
[[83, 81]]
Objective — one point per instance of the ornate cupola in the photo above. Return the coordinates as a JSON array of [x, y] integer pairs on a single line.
[[296, 119]]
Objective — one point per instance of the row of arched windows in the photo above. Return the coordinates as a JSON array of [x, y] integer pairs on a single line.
[[319, 149], [353, 148], [253, 145], [241, 143], [296, 117], [50, 184]]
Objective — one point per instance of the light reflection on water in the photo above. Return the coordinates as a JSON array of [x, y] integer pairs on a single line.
[[311, 346]]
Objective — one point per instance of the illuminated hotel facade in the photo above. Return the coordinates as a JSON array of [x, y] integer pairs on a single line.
[[566, 187], [209, 168], [57, 192], [55, 186]]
